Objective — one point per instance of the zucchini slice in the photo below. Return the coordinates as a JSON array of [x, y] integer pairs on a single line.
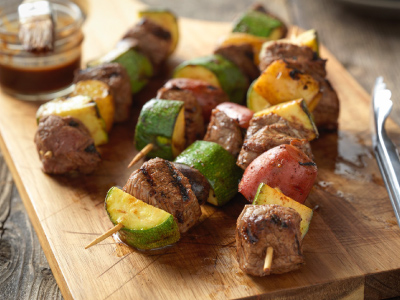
[[137, 65], [260, 24], [161, 123], [166, 19], [83, 108], [101, 94], [145, 226], [295, 112], [217, 165], [255, 101], [217, 71], [268, 195]]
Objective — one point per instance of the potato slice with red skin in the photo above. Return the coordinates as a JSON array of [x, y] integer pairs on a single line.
[[207, 95], [237, 112], [284, 167]]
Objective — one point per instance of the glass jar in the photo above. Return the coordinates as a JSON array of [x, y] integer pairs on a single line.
[[42, 76]]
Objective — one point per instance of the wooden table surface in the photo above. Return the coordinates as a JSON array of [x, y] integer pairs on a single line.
[[366, 46]]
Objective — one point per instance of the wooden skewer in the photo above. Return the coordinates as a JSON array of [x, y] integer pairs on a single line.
[[105, 235], [141, 154], [268, 260], [295, 31]]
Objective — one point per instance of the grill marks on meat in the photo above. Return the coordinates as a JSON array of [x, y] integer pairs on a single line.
[[117, 79], [268, 131], [243, 57], [225, 132], [152, 40], [65, 145], [304, 60], [261, 226], [194, 122], [162, 185], [200, 185]]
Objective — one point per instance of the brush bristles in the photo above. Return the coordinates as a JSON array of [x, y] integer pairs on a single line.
[[37, 34]]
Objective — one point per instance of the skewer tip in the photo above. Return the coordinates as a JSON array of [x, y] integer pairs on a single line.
[[141, 154]]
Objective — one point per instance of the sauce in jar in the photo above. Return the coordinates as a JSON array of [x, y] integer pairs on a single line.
[[41, 76]]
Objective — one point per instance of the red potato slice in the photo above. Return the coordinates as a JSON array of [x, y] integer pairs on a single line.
[[284, 167], [207, 95], [237, 112]]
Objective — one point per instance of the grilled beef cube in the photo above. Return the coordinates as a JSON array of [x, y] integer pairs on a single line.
[[194, 122], [291, 53], [225, 132], [200, 185], [117, 79], [65, 145], [261, 226], [326, 113], [266, 132], [243, 57], [152, 40], [162, 185], [304, 60]]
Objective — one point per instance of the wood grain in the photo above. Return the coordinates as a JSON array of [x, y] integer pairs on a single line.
[[356, 158]]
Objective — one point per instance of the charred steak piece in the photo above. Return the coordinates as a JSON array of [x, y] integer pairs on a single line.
[[65, 145], [200, 185], [243, 57], [306, 59], [261, 226], [117, 79], [153, 40], [162, 185], [266, 132], [225, 132], [194, 122], [326, 113]]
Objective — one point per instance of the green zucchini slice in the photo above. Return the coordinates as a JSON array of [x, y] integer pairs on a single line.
[[145, 226], [137, 65], [217, 71], [217, 165], [161, 123]]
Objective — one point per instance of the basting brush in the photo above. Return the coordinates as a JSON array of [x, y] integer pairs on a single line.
[[36, 31]]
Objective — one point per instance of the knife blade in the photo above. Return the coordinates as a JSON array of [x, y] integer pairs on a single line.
[[386, 153]]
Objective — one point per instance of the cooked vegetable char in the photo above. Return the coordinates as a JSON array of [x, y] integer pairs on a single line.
[[115, 75], [199, 183], [268, 131], [64, 145], [303, 59], [159, 183], [194, 122], [152, 39], [262, 226], [225, 132]]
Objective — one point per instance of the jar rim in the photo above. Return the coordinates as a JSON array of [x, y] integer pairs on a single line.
[[10, 14]]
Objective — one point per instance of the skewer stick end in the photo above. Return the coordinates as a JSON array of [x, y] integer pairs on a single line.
[[141, 154], [105, 235], [268, 260]]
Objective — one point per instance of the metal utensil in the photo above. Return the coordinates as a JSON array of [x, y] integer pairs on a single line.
[[386, 152]]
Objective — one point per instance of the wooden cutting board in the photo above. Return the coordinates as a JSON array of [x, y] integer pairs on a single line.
[[352, 249]]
